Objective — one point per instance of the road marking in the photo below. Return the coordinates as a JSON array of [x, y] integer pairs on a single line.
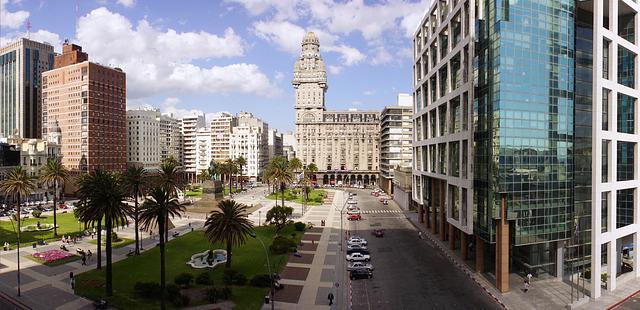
[[382, 211]]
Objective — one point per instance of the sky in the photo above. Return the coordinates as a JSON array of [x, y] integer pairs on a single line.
[[197, 56]]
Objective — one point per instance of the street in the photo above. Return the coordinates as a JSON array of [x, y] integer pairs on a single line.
[[409, 272]]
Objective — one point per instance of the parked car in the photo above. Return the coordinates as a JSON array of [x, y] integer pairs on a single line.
[[379, 233], [361, 251], [356, 240], [360, 274], [355, 210], [358, 257], [354, 217], [359, 265], [356, 247]]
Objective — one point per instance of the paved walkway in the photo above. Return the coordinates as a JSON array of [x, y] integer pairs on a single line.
[[46, 287], [543, 294]]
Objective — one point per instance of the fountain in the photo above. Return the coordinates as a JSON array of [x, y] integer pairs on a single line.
[[208, 259]]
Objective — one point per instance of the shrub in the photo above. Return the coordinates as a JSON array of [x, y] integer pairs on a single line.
[[147, 289], [184, 279], [204, 279], [114, 237], [300, 226], [180, 301], [212, 295], [260, 280], [225, 293], [587, 274], [172, 291], [231, 276], [282, 245], [36, 213], [604, 277]]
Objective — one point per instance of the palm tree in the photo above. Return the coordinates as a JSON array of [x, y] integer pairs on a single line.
[[309, 171], [227, 168], [88, 212], [241, 162], [170, 181], [281, 173], [19, 185], [228, 225], [135, 179], [203, 175], [54, 174], [106, 195], [156, 210]]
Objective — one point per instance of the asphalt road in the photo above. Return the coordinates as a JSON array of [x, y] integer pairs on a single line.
[[632, 303], [410, 273]]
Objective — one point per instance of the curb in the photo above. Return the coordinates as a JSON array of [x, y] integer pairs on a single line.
[[460, 266], [13, 301], [616, 305]]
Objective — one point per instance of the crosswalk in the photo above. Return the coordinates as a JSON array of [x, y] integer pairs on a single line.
[[381, 211]]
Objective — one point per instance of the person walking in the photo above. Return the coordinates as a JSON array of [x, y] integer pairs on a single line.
[[526, 286], [330, 297], [529, 276], [89, 255], [73, 283], [420, 235], [84, 259]]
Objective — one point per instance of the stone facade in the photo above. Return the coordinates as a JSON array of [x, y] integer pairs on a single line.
[[344, 145]]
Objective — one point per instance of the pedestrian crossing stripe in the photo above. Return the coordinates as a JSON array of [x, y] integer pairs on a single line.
[[381, 211]]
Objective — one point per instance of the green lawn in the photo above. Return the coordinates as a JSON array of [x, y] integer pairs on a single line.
[[316, 196], [67, 225], [248, 259], [197, 191], [120, 243]]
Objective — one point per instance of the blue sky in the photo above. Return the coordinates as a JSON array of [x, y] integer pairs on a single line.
[[232, 55]]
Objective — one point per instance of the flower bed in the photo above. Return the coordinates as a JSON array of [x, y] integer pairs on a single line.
[[54, 257]]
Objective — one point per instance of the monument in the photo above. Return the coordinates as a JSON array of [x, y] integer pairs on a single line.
[[212, 191]]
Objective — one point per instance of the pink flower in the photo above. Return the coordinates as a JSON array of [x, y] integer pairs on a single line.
[[52, 255]]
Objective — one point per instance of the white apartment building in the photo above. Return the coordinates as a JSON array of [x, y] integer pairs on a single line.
[[275, 143], [170, 138], [143, 138], [289, 145], [396, 136], [190, 126], [203, 149], [221, 127], [249, 139]]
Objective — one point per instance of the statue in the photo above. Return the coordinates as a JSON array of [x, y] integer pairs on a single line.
[[213, 171]]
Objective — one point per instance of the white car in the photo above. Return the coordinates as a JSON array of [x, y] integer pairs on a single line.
[[356, 240], [353, 211], [358, 257], [356, 246], [359, 265]]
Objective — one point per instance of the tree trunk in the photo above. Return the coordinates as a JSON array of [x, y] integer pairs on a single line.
[[230, 184], [162, 226], [109, 288], [135, 220], [19, 209], [282, 192], [99, 243], [55, 207], [228, 264], [241, 177]]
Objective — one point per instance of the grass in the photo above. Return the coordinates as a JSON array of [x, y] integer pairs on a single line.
[[249, 259], [115, 244], [196, 191], [67, 225], [54, 263], [316, 196]]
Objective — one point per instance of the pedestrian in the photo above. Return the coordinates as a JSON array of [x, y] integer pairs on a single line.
[[529, 276], [526, 286], [89, 255], [420, 235], [84, 259], [330, 297], [73, 283]]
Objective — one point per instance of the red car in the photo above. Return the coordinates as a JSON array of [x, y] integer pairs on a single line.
[[354, 217], [62, 206]]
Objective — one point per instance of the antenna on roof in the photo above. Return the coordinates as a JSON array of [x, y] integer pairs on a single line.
[[27, 24]]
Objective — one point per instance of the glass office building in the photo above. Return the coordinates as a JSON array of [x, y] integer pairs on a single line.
[[552, 139]]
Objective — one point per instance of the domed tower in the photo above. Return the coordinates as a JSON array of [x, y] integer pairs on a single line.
[[309, 81], [54, 133]]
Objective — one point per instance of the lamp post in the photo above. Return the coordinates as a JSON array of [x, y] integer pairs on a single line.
[[259, 214], [342, 218], [255, 236], [277, 189]]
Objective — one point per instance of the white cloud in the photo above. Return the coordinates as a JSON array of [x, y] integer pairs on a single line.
[[41, 36], [382, 56], [278, 76], [287, 37], [369, 92], [11, 20], [160, 61], [334, 69], [127, 3]]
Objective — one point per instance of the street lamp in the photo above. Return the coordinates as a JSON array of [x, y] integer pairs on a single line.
[[255, 236], [259, 214], [277, 189], [342, 218]]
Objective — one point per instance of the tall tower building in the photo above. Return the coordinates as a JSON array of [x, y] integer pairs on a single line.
[[526, 139], [190, 127], [87, 101], [221, 127], [170, 138], [344, 145], [249, 139], [143, 138], [21, 64]]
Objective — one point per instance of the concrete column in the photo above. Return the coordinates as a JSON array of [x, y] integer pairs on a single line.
[[463, 245], [435, 196], [452, 237], [421, 213], [559, 259], [612, 263], [479, 255], [502, 248], [443, 220]]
